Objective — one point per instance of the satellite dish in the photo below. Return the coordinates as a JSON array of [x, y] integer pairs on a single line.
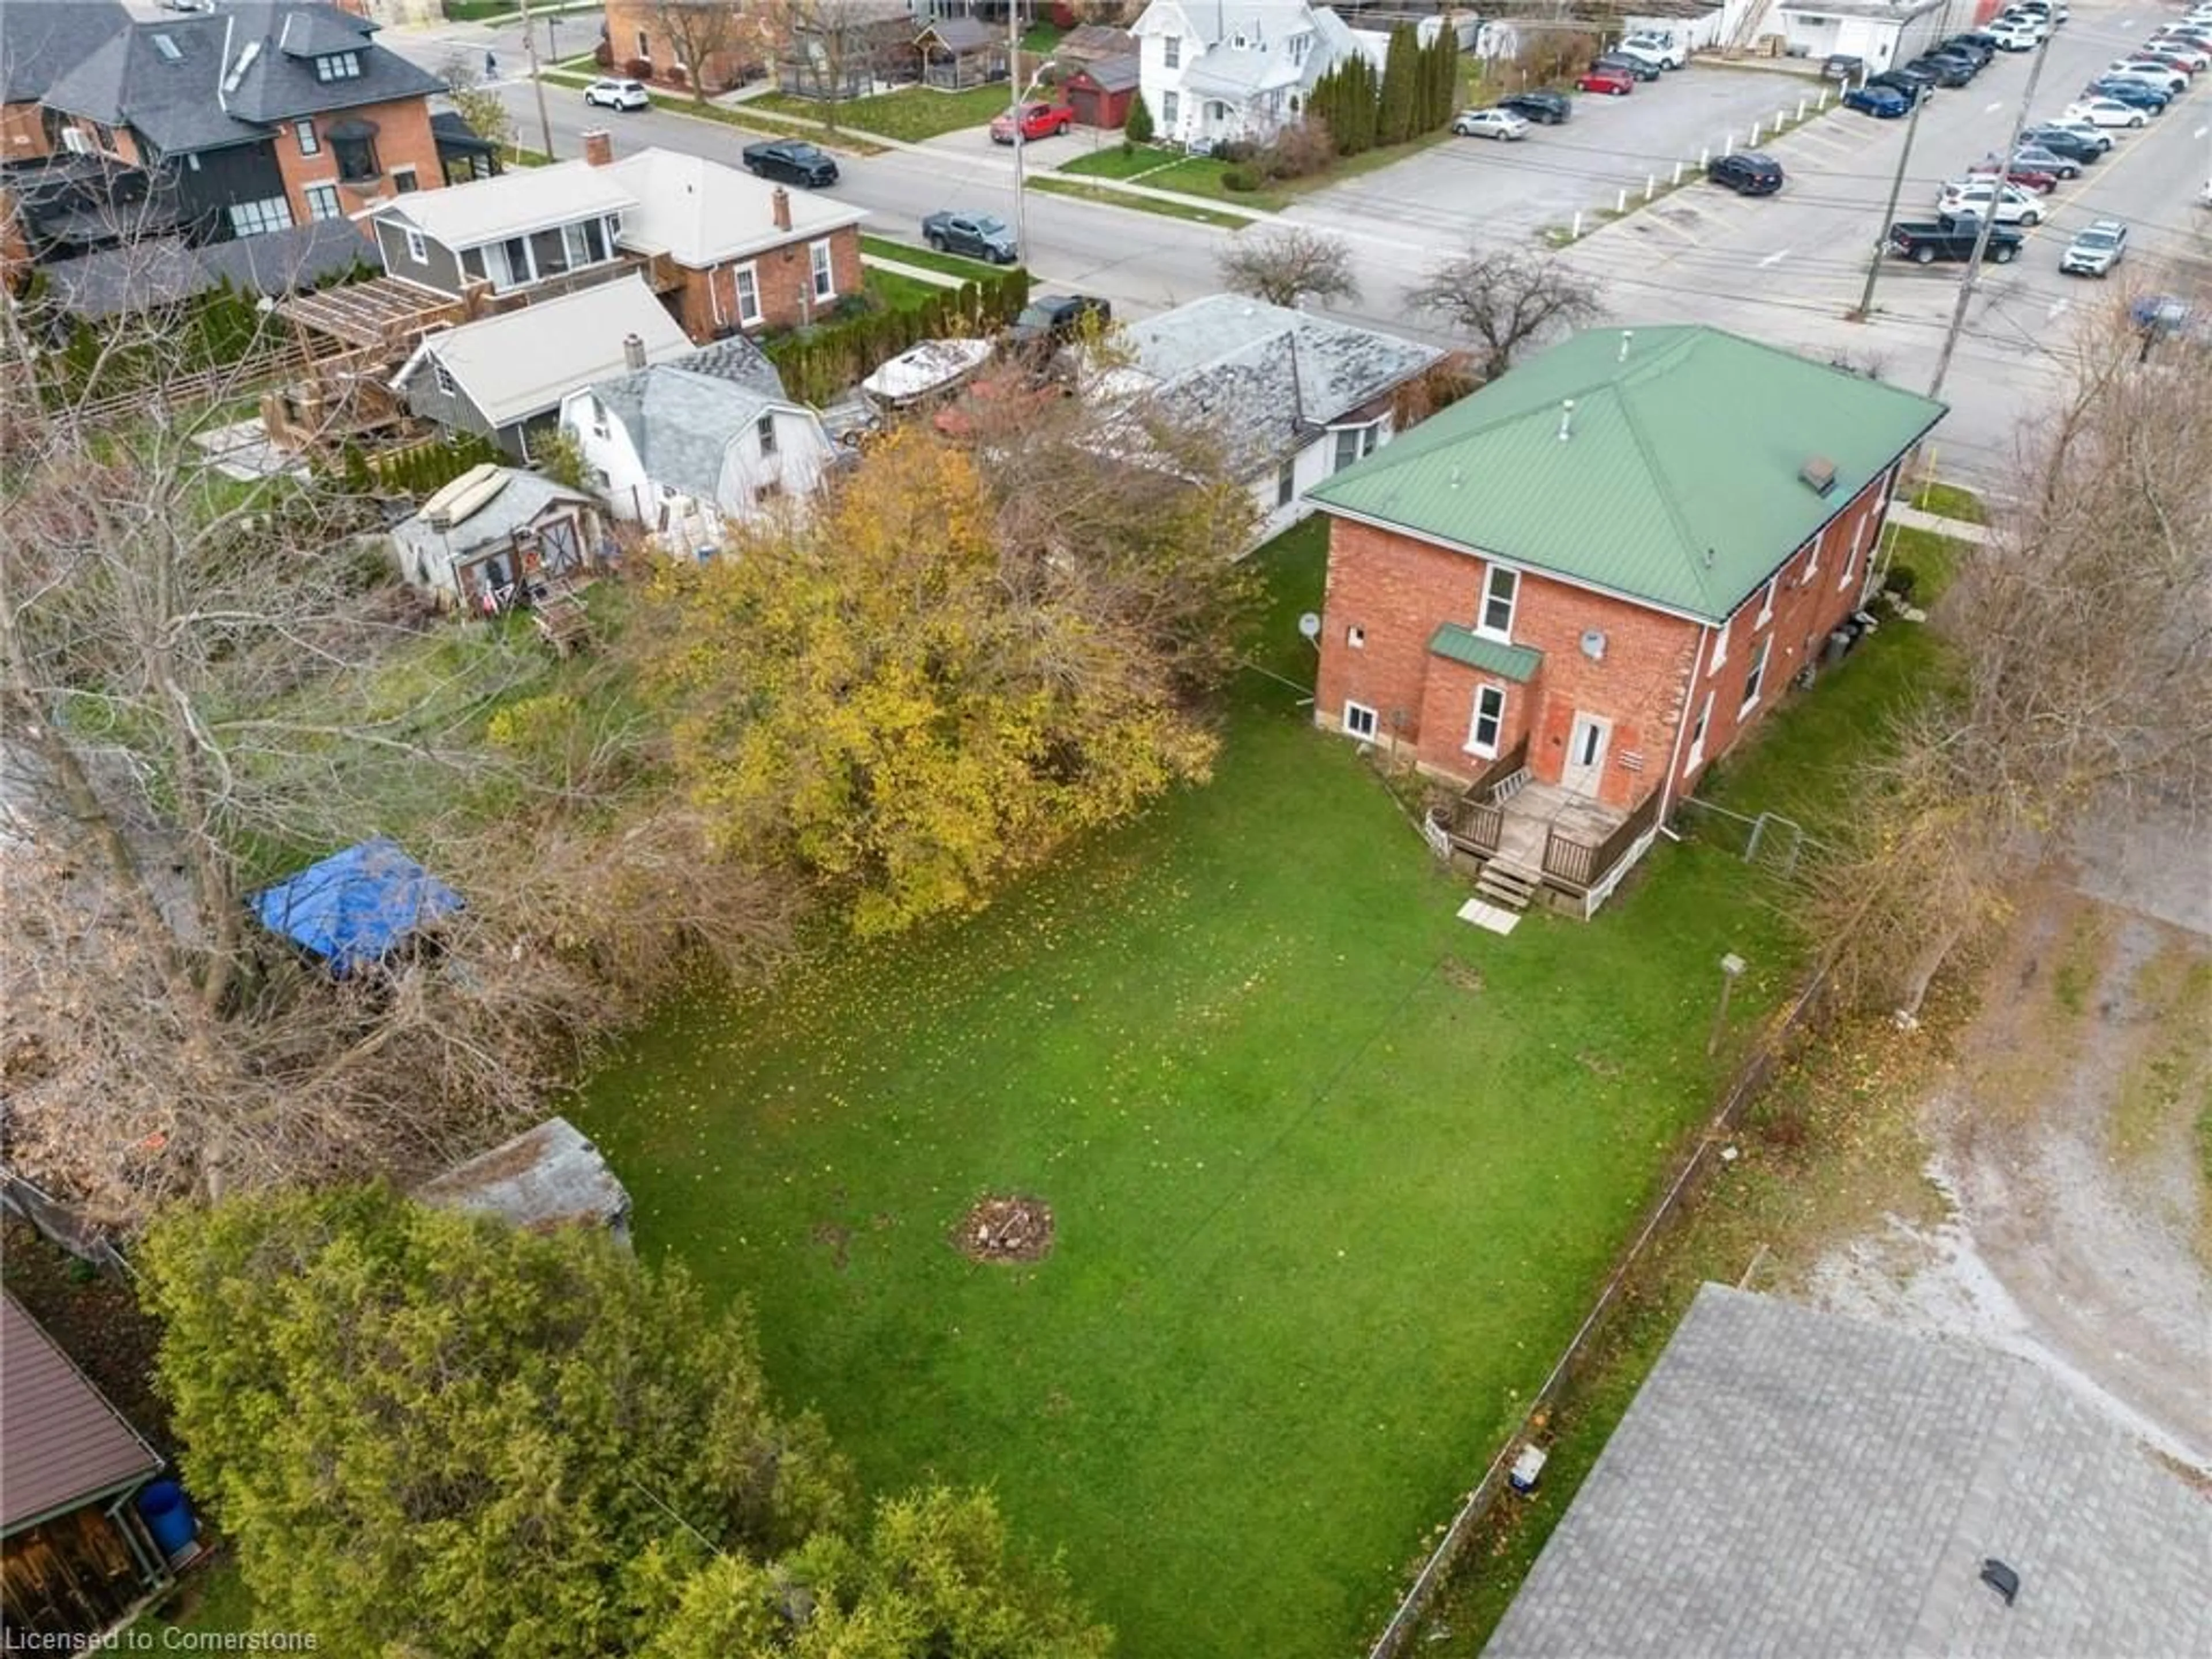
[[1309, 624], [1594, 644]]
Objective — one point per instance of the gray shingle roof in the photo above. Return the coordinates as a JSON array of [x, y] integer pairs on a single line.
[[1263, 379], [961, 34], [1111, 74], [520, 502], [1792, 1483], [681, 416], [61, 1443], [137, 278], [176, 98], [41, 38]]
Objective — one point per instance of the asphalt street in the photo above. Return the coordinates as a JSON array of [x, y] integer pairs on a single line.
[[1786, 269]]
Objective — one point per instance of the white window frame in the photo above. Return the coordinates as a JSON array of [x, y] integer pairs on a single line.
[[417, 249], [303, 134], [329, 192], [1286, 481], [1813, 559], [259, 218], [1490, 709], [405, 181], [1720, 647], [1858, 545], [1754, 679], [1356, 713], [1170, 108], [764, 435], [442, 376], [1171, 52], [1766, 600], [645, 45], [744, 286], [1511, 600], [821, 267], [1697, 756]]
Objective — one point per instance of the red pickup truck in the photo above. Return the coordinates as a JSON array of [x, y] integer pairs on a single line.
[[1039, 120]]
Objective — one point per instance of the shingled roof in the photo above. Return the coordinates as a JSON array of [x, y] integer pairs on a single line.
[[681, 416], [60, 1444], [40, 39], [1794, 1483]]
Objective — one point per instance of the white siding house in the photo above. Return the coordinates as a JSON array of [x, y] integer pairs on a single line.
[[691, 448], [1240, 69]]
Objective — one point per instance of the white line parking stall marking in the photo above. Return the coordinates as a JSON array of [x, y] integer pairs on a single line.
[[1774, 259], [1993, 108], [2058, 309]]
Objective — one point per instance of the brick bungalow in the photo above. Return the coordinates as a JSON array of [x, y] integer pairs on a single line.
[[1587, 581]]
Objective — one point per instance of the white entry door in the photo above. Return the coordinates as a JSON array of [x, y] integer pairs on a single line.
[[1586, 744]]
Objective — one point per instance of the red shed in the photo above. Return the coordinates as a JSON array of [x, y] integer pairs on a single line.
[[1099, 93]]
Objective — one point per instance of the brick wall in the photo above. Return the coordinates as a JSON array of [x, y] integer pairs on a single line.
[[744, 43], [403, 140], [708, 304], [1391, 591], [23, 131]]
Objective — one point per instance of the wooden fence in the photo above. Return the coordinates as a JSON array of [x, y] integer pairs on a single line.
[[202, 387], [1749, 1081]]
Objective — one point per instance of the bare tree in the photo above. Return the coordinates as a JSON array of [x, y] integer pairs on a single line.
[[2082, 640], [699, 31], [1506, 298], [830, 50], [205, 685], [1288, 265], [477, 104]]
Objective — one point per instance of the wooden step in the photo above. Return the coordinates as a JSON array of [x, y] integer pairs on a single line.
[[1504, 885]]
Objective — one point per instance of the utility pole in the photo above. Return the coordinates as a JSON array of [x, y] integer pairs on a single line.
[[530, 50], [1989, 220], [1021, 139], [1865, 312]]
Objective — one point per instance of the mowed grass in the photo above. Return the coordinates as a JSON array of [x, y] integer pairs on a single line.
[[911, 113], [1334, 1177]]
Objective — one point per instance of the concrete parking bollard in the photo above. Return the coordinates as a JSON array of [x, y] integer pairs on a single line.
[[1576, 235], [1801, 109], [1677, 178], [1753, 140], [1621, 203], [1704, 157], [1727, 145], [1651, 186]]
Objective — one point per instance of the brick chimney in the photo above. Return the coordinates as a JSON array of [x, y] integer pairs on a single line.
[[633, 351], [598, 148], [782, 208]]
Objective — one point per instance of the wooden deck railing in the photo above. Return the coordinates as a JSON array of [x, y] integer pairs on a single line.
[[1498, 770], [1580, 864]]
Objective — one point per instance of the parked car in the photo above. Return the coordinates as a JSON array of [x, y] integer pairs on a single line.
[[2160, 313], [1627, 48], [1039, 119], [1976, 196], [2095, 250], [2106, 112], [2182, 60], [792, 162], [1501, 124], [1947, 71], [2039, 158], [2029, 23], [1615, 83], [1916, 75], [2183, 39], [1883, 103], [1900, 83], [1747, 173], [1636, 69], [1054, 320], [1842, 66], [2136, 94], [1980, 47], [2012, 37], [1924, 243], [978, 235], [2179, 50], [1546, 109], [2171, 82], [1670, 52], [617, 94], [2080, 144]]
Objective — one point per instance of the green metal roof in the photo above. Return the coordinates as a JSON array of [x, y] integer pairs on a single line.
[[1518, 663], [1678, 483]]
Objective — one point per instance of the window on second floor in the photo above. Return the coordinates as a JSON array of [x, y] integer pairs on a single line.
[[338, 66], [357, 161], [749, 305], [1501, 593], [1353, 442], [764, 433], [417, 249], [304, 131], [825, 275], [644, 46], [323, 202], [1755, 676], [1171, 52], [1299, 44], [258, 218], [1766, 600]]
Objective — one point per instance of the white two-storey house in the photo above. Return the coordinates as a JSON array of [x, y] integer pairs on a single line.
[[1239, 69]]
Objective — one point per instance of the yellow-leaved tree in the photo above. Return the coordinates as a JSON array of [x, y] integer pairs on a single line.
[[926, 684]]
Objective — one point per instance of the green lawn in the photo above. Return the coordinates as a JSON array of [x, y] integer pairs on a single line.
[[1107, 196], [928, 259], [1334, 1176], [911, 113], [1201, 175], [1113, 161], [897, 293], [1950, 501]]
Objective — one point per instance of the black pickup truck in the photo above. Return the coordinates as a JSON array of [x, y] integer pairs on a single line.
[[1926, 242]]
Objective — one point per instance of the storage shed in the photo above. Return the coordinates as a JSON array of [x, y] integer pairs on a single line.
[[959, 53], [549, 1176], [1099, 93]]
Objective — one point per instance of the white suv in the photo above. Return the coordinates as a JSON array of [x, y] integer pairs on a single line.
[[1974, 196], [1654, 48]]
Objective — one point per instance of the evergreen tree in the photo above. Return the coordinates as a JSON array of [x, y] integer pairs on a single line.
[[1401, 73], [1138, 128]]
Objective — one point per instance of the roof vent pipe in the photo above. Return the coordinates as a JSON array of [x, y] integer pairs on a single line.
[[633, 351], [1566, 419], [2001, 1578], [1626, 335]]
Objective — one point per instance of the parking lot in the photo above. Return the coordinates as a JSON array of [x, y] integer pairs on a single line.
[[1438, 197]]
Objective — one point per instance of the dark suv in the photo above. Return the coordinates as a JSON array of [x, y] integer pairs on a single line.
[[1052, 320], [1546, 109], [1748, 174], [1950, 69]]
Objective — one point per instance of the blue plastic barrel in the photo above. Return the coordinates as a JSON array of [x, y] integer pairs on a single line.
[[167, 1514]]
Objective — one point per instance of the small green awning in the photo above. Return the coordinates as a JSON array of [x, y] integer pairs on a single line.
[[1517, 663]]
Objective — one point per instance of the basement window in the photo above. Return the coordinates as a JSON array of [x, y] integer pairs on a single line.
[[1359, 722]]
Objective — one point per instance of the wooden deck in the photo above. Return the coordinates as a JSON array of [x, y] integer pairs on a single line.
[[1540, 809], [1526, 840]]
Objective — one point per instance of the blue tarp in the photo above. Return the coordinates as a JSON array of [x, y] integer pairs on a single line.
[[352, 907]]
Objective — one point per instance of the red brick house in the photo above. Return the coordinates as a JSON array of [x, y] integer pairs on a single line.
[[1584, 582]]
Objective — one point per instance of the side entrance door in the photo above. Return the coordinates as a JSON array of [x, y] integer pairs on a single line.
[[1586, 745]]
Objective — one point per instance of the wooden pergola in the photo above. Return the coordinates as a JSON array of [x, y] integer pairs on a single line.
[[383, 312]]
